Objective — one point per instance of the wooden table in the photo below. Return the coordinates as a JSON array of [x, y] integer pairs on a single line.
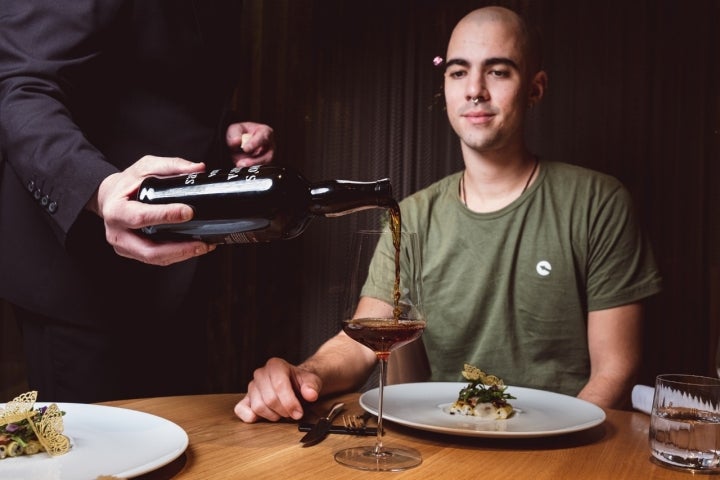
[[223, 447]]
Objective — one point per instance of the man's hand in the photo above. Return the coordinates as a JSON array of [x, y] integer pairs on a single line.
[[115, 203], [271, 393], [340, 364], [250, 143]]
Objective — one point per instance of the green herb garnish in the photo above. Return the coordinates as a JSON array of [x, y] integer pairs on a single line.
[[483, 388]]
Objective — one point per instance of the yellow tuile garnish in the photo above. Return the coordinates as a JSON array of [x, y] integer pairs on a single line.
[[48, 430], [18, 408], [474, 374]]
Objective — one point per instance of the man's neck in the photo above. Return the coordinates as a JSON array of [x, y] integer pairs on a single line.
[[492, 181]]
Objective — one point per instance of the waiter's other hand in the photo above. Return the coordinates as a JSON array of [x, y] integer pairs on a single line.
[[250, 143]]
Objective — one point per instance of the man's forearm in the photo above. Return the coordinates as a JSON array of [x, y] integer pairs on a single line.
[[608, 392], [341, 363]]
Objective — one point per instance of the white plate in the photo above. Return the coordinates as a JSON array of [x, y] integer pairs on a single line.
[[105, 441], [537, 413]]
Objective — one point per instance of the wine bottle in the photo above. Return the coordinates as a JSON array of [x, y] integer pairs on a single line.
[[255, 204]]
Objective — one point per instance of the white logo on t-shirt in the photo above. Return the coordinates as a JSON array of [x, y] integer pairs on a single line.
[[543, 268]]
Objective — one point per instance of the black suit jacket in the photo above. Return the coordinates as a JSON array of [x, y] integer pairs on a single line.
[[87, 87]]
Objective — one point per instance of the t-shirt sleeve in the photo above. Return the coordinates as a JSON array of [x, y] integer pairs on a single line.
[[621, 265]]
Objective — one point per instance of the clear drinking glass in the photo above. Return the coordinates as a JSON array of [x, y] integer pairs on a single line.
[[390, 315], [685, 423]]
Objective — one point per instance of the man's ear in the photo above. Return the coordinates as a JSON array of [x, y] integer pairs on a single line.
[[538, 84]]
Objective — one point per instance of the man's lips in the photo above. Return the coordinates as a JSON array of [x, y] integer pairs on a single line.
[[476, 117]]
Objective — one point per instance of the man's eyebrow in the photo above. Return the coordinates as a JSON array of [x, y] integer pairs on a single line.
[[456, 61], [486, 63], [500, 61]]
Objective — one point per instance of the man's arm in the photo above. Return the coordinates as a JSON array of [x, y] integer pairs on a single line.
[[340, 364], [615, 344]]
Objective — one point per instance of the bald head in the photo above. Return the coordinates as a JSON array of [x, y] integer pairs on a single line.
[[528, 41]]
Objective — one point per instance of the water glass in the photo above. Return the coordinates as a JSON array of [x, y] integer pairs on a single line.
[[685, 423]]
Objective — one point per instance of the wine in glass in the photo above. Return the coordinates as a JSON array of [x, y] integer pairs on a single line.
[[385, 312]]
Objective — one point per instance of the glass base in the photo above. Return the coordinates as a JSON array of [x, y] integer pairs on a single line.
[[694, 468], [393, 459]]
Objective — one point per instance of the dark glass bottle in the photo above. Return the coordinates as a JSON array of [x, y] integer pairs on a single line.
[[256, 204]]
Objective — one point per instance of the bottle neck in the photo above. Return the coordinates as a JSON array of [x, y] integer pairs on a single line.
[[333, 198]]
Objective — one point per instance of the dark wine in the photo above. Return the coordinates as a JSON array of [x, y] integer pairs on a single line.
[[396, 229], [383, 335], [256, 204]]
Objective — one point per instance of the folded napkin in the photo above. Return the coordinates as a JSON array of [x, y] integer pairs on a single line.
[[642, 398]]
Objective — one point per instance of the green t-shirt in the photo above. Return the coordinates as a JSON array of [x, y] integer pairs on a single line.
[[510, 291]]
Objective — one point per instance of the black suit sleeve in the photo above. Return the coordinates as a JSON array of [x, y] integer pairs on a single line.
[[47, 49]]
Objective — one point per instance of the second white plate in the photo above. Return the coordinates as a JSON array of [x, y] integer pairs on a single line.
[[105, 441], [538, 413]]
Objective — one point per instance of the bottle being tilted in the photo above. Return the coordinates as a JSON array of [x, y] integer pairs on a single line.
[[255, 204]]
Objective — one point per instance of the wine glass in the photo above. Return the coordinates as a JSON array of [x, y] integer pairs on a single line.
[[383, 312]]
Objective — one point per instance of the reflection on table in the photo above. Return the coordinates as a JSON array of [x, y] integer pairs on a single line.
[[223, 447]]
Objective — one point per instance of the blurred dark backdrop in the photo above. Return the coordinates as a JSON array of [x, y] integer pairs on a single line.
[[350, 88]]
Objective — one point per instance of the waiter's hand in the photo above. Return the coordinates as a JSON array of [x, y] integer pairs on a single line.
[[115, 203], [250, 143]]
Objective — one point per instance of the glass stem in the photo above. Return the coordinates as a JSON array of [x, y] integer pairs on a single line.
[[381, 388]]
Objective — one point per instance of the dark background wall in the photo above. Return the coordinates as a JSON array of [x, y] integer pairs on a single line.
[[352, 93]]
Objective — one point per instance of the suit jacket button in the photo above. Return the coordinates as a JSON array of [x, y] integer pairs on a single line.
[[44, 201], [31, 186], [52, 207], [37, 194]]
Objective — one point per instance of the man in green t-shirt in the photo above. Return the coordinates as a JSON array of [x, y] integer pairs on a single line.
[[532, 270]]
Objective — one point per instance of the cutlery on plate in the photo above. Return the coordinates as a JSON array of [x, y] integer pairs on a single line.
[[321, 429]]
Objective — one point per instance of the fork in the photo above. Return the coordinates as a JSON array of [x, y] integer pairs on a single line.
[[356, 423]]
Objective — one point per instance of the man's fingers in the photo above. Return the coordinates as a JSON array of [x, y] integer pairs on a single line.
[[244, 412], [150, 165], [130, 245], [144, 215]]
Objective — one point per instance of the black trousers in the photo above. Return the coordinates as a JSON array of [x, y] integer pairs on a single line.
[[67, 363]]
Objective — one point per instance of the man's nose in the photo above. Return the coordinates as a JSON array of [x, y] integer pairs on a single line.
[[477, 90]]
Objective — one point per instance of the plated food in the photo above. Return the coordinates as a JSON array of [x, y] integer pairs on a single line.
[[25, 430], [484, 397]]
